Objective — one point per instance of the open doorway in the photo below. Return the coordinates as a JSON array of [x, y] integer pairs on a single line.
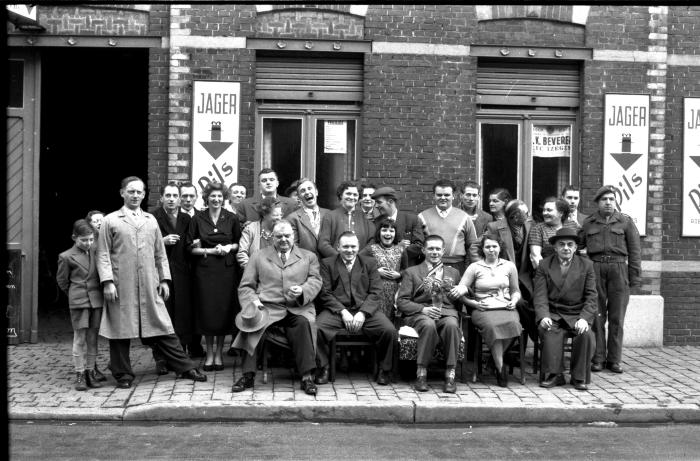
[[94, 132]]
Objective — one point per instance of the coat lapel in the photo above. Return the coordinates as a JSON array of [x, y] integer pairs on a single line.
[[80, 259]]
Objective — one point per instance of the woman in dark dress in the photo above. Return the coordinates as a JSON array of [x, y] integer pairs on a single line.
[[213, 238]]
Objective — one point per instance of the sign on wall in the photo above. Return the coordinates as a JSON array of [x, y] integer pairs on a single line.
[[551, 141], [691, 167], [626, 153], [215, 128]]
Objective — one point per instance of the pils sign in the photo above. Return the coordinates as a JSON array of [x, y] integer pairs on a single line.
[[691, 167]]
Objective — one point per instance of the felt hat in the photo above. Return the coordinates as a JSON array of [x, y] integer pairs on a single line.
[[387, 192], [564, 233], [607, 189], [251, 319]]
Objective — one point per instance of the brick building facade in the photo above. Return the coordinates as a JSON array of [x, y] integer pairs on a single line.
[[422, 113]]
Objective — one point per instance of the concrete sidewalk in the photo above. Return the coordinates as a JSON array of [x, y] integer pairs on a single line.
[[659, 385]]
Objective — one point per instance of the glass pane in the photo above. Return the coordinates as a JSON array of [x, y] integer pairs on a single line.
[[282, 149], [16, 91], [551, 154], [335, 156], [499, 153]]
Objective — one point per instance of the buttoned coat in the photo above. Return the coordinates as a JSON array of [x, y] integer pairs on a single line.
[[500, 227], [304, 235], [133, 257], [335, 223], [77, 277], [266, 280], [412, 298], [363, 286], [569, 297], [247, 210]]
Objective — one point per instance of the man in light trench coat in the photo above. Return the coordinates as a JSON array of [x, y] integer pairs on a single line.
[[133, 269]]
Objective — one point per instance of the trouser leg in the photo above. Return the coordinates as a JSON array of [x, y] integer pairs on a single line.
[[91, 343], [582, 351], [328, 325], [169, 347], [618, 298], [298, 331], [119, 360], [448, 330], [552, 349], [249, 364], [79, 349], [383, 334], [428, 338], [602, 316]]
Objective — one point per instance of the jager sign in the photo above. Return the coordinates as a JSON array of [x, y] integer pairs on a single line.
[[691, 167]]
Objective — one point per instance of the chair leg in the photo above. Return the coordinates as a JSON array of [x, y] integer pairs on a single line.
[[535, 354], [331, 360], [523, 340], [477, 357], [263, 351]]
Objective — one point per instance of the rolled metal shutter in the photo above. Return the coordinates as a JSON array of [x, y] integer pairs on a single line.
[[309, 79], [528, 84]]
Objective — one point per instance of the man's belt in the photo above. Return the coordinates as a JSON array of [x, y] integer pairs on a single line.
[[609, 258]]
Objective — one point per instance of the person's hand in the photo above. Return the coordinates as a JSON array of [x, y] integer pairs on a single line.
[[535, 261], [404, 243], [511, 305], [197, 243], [295, 291], [164, 290], [110, 292], [432, 312], [581, 326], [171, 239], [348, 320], [457, 291], [546, 323], [358, 320]]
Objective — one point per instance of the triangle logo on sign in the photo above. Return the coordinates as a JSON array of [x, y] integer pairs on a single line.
[[626, 160], [696, 159], [215, 148]]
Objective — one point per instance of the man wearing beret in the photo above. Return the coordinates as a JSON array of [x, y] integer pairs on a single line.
[[565, 303], [408, 227], [612, 243]]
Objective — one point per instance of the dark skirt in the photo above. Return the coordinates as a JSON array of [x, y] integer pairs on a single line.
[[496, 324], [215, 296]]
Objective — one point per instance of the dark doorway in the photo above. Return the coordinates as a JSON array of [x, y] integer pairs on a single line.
[[499, 150], [94, 132]]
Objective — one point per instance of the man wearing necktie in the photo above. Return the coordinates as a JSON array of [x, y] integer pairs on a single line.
[[306, 220], [350, 300], [188, 197], [566, 302]]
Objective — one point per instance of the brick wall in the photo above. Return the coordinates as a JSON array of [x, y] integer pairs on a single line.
[[305, 23], [681, 313], [83, 20], [444, 24], [531, 32]]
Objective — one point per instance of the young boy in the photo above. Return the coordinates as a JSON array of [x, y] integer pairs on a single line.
[[77, 277]]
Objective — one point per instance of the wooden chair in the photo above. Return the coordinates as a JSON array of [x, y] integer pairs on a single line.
[[568, 344], [479, 350], [345, 339], [273, 336]]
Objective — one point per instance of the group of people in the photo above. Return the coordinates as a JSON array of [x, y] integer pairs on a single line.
[[243, 265]]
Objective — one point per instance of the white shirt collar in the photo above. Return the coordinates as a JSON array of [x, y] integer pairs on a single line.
[[443, 213]]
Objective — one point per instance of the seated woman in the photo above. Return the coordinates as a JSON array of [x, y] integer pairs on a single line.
[[555, 212], [258, 234], [494, 282], [391, 259]]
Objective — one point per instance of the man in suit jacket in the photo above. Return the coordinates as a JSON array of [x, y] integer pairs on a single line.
[[188, 197], [278, 287], [469, 196], [572, 195], [408, 226], [306, 221], [566, 301], [173, 226], [247, 210], [350, 300], [421, 288], [347, 217]]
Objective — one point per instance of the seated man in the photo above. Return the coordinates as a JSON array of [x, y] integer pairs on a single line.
[[566, 301], [350, 300], [422, 288], [278, 287]]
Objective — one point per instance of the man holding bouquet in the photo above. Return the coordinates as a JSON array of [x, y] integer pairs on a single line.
[[424, 301]]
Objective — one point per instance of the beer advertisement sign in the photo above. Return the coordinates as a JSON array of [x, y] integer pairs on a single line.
[[626, 153], [691, 167]]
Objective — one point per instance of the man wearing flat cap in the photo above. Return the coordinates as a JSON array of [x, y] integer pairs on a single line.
[[408, 227], [565, 304], [612, 242], [278, 287]]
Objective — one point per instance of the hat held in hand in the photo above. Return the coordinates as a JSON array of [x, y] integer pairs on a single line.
[[251, 318]]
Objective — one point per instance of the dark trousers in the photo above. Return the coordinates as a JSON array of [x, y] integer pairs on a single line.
[[612, 283], [582, 350], [297, 329], [526, 312], [444, 330], [377, 328], [166, 347]]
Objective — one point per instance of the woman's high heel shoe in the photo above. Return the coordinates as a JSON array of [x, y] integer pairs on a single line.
[[208, 367], [501, 376]]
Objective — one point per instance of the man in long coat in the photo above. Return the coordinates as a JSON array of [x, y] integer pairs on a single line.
[[278, 287], [134, 272]]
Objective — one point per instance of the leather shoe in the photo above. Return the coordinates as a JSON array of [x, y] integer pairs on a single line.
[[208, 367], [245, 382], [80, 381], [308, 386], [614, 367], [321, 376], [450, 386], [383, 378], [553, 380], [91, 380], [421, 384], [579, 385], [124, 383], [162, 367], [501, 376], [193, 374], [98, 375], [596, 367]]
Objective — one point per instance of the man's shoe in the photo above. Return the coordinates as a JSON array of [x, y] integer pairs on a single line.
[[98, 375], [614, 367], [450, 386], [596, 367], [421, 384], [553, 380], [124, 383], [91, 380], [383, 377], [193, 374], [162, 367], [321, 376], [579, 385], [80, 381], [245, 382], [308, 386]]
